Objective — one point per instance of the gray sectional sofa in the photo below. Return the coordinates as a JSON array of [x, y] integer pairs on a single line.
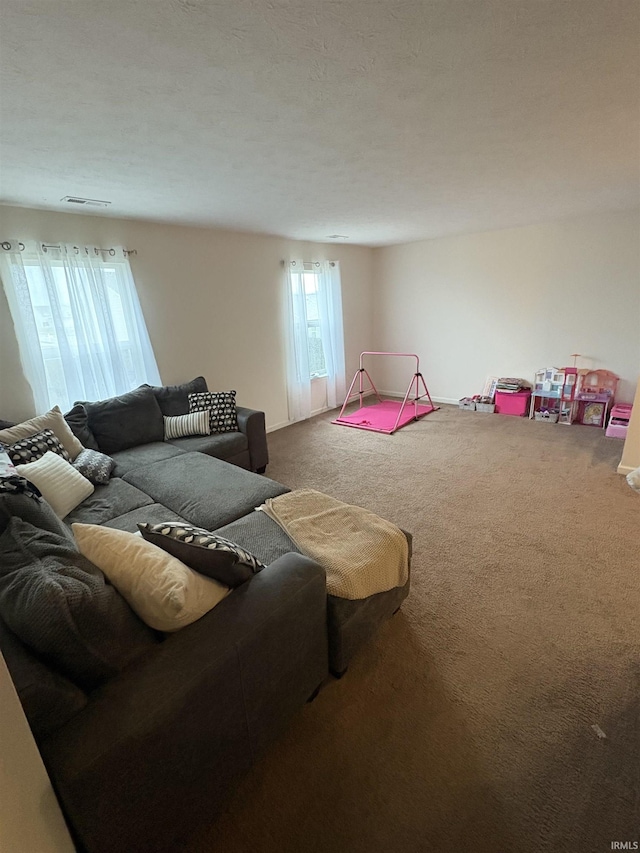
[[143, 758]]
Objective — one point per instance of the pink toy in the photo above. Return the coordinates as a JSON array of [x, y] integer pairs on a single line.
[[619, 421], [386, 415], [595, 395]]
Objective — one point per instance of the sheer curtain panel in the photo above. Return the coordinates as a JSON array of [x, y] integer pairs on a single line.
[[297, 349], [78, 322]]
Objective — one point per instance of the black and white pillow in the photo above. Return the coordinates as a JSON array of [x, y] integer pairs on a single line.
[[95, 466], [203, 551], [223, 415], [34, 447], [180, 426]]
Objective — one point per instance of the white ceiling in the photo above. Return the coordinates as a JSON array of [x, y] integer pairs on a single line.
[[383, 120]]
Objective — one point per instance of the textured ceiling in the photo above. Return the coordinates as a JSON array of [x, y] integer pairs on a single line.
[[382, 121]]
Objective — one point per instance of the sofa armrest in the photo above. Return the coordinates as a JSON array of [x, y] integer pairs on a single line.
[[159, 746], [251, 423]]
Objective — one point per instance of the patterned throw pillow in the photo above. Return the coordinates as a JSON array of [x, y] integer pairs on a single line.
[[223, 416], [197, 423], [206, 552], [35, 446], [95, 466]]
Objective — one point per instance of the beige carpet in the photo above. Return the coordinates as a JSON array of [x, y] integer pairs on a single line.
[[466, 724]]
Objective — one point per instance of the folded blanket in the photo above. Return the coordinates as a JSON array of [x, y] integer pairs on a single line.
[[361, 553]]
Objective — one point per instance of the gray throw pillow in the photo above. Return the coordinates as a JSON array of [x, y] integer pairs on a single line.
[[78, 421], [95, 466], [126, 421], [48, 699], [60, 606], [203, 551], [174, 399]]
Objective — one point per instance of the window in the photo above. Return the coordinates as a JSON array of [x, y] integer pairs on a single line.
[[315, 340], [317, 363], [78, 321]]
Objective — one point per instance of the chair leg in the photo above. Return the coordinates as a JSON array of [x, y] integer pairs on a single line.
[[261, 470]]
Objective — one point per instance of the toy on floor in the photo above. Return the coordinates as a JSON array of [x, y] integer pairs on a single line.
[[619, 418], [595, 396], [386, 415]]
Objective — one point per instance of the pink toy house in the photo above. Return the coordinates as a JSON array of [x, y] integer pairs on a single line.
[[595, 396]]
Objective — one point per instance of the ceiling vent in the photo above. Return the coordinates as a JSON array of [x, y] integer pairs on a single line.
[[337, 237], [87, 202]]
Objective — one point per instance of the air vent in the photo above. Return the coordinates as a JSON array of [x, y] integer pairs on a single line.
[[87, 202], [337, 237]]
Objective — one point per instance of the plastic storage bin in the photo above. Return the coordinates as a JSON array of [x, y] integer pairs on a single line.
[[513, 404]]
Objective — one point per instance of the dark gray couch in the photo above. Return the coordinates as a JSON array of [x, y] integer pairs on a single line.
[[146, 757]]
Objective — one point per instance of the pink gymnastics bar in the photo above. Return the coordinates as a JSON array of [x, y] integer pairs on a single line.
[[386, 415]]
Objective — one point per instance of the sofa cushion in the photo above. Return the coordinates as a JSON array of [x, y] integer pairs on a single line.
[[203, 490], [109, 501], [35, 446], [53, 420], [58, 481], [222, 445], [95, 466], [205, 552], [126, 420], [145, 454], [174, 399], [49, 700], [78, 421], [151, 514], [221, 405], [60, 606], [164, 592], [261, 535]]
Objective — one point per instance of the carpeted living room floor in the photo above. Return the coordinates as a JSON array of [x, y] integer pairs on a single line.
[[466, 725]]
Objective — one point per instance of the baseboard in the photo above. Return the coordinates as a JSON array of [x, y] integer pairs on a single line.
[[400, 394], [625, 469], [315, 412]]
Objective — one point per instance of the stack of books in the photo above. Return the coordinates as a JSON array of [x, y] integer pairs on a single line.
[[509, 385]]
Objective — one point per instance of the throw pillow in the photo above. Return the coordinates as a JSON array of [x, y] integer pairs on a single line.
[[223, 416], [174, 399], [165, 593], [197, 423], [53, 420], [125, 421], [207, 553], [59, 483], [61, 607], [95, 466], [35, 446], [78, 421]]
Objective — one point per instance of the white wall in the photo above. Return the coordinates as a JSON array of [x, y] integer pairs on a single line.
[[30, 818], [212, 301], [510, 302]]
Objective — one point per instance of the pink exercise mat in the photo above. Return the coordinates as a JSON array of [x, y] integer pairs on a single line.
[[382, 417]]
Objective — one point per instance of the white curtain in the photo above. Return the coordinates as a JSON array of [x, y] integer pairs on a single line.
[[78, 322], [328, 295], [298, 376], [331, 330]]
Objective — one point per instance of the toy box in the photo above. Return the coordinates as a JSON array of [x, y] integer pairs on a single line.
[[513, 404]]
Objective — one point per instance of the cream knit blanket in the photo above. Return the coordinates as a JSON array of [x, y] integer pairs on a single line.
[[361, 553]]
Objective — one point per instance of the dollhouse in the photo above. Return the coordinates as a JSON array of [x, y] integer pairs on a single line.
[[567, 395]]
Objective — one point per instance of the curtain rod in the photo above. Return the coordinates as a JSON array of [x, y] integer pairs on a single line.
[[308, 263], [7, 246]]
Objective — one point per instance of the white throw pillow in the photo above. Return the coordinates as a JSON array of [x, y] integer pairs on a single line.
[[53, 420], [165, 593], [60, 484]]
